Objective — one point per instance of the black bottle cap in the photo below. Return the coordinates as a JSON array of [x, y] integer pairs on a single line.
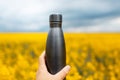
[[55, 18]]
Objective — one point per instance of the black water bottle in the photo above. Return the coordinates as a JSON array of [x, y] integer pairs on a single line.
[[55, 47]]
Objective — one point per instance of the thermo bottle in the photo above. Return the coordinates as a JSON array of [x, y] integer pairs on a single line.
[[55, 47]]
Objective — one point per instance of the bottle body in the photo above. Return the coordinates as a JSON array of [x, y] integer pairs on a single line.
[[55, 50]]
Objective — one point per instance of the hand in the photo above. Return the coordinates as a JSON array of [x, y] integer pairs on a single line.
[[43, 74]]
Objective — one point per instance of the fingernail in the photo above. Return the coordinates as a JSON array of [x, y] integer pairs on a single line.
[[68, 68]]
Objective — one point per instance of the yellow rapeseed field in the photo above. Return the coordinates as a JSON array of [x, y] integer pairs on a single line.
[[91, 56]]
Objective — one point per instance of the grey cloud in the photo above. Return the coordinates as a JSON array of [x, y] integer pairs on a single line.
[[81, 19], [96, 12], [76, 13]]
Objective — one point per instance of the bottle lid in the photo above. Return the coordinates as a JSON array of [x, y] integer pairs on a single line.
[[55, 18]]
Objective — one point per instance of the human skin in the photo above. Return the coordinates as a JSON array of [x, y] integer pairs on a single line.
[[43, 74]]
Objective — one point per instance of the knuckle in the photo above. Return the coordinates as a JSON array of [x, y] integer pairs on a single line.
[[64, 72], [40, 57]]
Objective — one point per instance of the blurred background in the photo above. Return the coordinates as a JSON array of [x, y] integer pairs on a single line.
[[79, 15], [93, 26]]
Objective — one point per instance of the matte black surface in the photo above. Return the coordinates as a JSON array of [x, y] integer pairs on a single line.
[[55, 50]]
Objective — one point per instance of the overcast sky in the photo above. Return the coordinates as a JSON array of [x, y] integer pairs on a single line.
[[78, 15]]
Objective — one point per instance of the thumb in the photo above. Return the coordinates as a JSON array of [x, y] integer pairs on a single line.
[[62, 74]]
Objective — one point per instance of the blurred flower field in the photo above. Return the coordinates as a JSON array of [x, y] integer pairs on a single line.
[[91, 56]]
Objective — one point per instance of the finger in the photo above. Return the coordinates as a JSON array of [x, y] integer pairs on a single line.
[[62, 74], [42, 64]]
